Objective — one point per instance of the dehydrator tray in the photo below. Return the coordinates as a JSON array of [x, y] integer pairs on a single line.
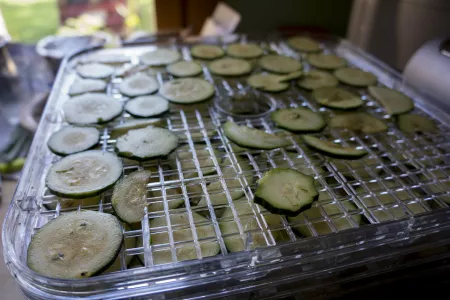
[[401, 190]]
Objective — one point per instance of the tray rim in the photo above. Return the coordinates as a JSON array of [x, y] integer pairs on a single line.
[[33, 280]]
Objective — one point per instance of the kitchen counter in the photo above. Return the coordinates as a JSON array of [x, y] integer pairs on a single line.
[[9, 289]]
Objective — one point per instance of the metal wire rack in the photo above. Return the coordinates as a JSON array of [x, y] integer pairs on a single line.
[[403, 175]]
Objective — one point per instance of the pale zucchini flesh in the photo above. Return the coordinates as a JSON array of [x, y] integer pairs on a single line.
[[129, 197], [228, 66], [138, 85], [252, 138], [184, 69], [75, 245], [394, 102], [355, 77], [253, 235], [286, 191], [414, 123], [280, 64], [181, 232], [298, 120], [322, 227], [359, 122], [207, 51], [95, 70], [147, 106], [71, 139], [187, 90], [81, 86], [160, 57], [123, 128], [146, 143], [91, 108], [337, 98], [267, 82], [326, 61], [317, 79], [333, 150], [303, 44], [245, 51], [83, 174]]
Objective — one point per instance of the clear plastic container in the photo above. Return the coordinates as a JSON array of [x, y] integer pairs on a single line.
[[400, 191]]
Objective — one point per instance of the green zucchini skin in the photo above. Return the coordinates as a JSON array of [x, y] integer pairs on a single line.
[[280, 211]]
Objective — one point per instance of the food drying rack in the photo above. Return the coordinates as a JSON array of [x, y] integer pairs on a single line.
[[396, 234]]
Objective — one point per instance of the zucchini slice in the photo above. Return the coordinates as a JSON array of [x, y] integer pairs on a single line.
[[286, 191], [83, 174], [71, 139], [303, 44], [298, 120], [207, 51], [138, 85], [317, 79], [75, 245], [95, 71], [355, 77], [185, 69], [394, 102], [181, 232], [160, 57], [230, 231], [228, 66], [147, 106], [245, 51], [129, 197], [92, 108], [326, 61], [123, 128], [146, 143], [359, 122], [414, 123], [267, 82], [280, 64], [337, 98], [252, 138], [81, 86], [322, 227], [332, 149], [187, 90]]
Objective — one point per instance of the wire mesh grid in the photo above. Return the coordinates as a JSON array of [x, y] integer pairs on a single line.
[[200, 196]]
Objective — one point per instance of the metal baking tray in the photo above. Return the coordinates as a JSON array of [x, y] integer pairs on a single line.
[[411, 170]]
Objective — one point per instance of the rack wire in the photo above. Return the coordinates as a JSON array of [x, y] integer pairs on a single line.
[[403, 175]]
